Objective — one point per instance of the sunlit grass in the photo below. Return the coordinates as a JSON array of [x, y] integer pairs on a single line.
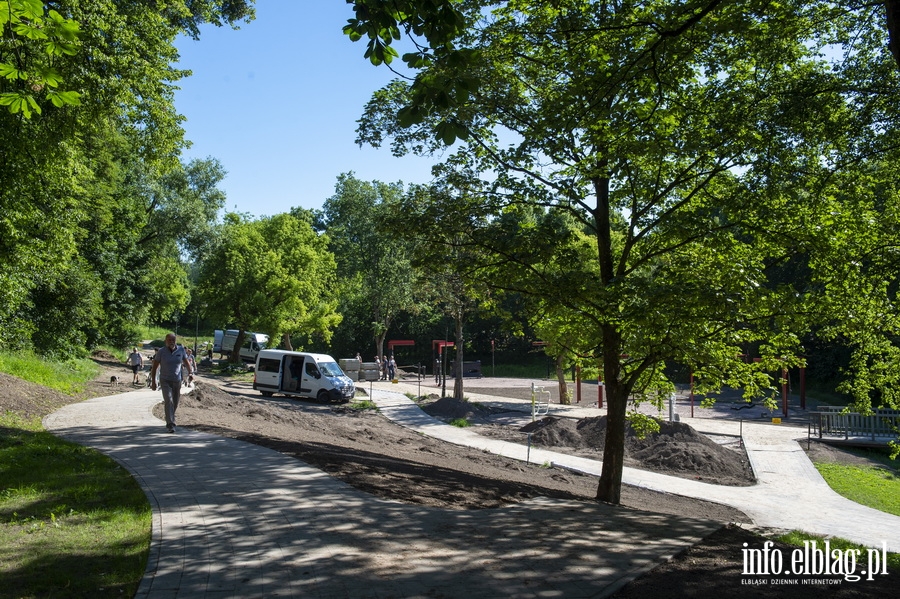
[[871, 486], [73, 523], [797, 538], [365, 404], [67, 376]]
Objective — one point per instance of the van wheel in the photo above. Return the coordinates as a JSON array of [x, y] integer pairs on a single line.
[[267, 393], [322, 396]]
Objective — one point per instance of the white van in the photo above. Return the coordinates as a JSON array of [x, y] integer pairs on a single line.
[[292, 373], [253, 343]]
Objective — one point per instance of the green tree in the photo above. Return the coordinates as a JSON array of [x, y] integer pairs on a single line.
[[377, 279], [90, 127], [273, 275], [439, 22], [677, 134], [32, 40], [450, 280]]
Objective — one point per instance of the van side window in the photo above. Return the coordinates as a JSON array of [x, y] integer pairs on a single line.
[[268, 365], [311, 369]]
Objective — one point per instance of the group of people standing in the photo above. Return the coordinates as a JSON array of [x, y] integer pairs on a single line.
[[387, 366]]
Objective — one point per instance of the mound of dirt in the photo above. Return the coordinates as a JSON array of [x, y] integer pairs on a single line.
[[449, 408], [104, 356], [677, 448]]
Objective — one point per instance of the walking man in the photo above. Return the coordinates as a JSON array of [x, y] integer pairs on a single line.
[[170, 360], [136, 362]]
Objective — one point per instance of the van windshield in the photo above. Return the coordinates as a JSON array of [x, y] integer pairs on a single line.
[[330, 369]]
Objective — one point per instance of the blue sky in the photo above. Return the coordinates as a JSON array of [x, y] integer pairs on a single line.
[[276, 102]]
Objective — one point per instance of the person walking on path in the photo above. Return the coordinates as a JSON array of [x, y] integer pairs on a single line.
[[136, 362], [192, 361], [169, 361]]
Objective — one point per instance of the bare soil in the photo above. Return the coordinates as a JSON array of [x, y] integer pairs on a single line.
[[676, 449], [374, 455]]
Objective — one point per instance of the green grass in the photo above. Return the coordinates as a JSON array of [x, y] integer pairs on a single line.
[[797, 538], [73, 523], [871, 486], [68, 377], [365, 404], [459, 422], [522, 371]]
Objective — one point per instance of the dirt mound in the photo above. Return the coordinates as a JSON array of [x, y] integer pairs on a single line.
[[557, 432], [676, 449], [29, 399], [104, 356], [449, 408]]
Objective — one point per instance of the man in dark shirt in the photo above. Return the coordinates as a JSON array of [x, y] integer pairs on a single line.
[[170, 361]]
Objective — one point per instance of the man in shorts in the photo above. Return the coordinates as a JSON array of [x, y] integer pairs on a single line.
[[171, 360], [136, 361]]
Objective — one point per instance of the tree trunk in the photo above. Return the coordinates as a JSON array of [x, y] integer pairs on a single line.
[[286, 342], [564, 398], [892, 8], [458, 383], [444, 371], [379, 345], [235, 356], [610, 487]]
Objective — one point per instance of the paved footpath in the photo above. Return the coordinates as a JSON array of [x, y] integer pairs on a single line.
[[234, 520], [790, 494]]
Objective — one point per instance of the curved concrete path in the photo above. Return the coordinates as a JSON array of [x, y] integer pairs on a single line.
[[231, 519], [790, 494]]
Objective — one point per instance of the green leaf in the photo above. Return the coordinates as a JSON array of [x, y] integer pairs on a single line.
[[49, 76], [60, 99], [27, 30], [446, 132], [33, 103], [409, 116], [8, 71], [32, 9]]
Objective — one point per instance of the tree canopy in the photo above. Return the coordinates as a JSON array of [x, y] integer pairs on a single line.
[[700, 145], [377, 280], [273, 275], [97, 210]]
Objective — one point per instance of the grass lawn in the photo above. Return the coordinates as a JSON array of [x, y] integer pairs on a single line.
[[872, 486], [73, 523]]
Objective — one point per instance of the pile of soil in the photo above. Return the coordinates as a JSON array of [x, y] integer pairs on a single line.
[[449, 408], [675, 449]]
